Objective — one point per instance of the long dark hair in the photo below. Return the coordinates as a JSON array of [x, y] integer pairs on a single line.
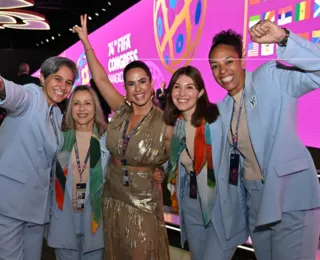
[[204, 108]]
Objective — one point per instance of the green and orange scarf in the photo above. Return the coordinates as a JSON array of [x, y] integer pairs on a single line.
[[203, 164], [96, 179]]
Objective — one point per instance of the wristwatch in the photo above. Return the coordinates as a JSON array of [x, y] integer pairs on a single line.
[[284, 41]]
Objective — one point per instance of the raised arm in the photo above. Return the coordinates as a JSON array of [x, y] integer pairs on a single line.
[[100, 77], [301, 53], [14, 98]]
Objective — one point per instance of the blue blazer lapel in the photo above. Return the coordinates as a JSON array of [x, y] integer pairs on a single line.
[[216, 140], [253, 118], [225, 110]]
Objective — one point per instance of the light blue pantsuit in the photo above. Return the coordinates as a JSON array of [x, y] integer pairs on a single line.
[[203, 242], [285, 239], [228, 227], [28, 146], [70, 233], [282, 211], [21, 240], [79, 254]]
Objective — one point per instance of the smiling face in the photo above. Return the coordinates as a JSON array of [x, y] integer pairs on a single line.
[[185, 94], [57, 86], [138, 86], [83, 109], [227, 68]]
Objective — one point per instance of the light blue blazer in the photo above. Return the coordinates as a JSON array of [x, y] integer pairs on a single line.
[[27, 149], [271, 99], [240, 234], [61, 231]]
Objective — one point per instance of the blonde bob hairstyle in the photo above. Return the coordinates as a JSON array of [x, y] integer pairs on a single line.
[[99, 120]]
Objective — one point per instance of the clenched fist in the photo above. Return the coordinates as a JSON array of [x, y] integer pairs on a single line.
[[266, 31]]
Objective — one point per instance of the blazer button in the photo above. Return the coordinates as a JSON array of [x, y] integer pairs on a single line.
[[40, 150]]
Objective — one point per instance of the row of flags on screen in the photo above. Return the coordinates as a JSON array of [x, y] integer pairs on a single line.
[[299, 12], [287, 14], [255, 49], [266, 49]]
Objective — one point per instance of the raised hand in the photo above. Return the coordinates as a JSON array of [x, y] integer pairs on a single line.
[[266, 31], [82, 30]]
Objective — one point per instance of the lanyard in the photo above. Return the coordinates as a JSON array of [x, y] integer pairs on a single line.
[[54, 126], [235, 136], [188, 153], [126, 139], [78, 160]]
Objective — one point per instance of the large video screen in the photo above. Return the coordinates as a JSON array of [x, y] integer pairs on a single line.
[[168, 34], [303, 18]]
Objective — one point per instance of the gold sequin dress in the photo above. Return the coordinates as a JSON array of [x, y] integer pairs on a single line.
[[133, 215]]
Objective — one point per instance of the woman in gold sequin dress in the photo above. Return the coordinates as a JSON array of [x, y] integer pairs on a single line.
[[138, 141]]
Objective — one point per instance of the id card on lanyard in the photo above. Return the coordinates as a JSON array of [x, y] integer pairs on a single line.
[[193, 188], [235, 155], [81, 187], [125, 141]]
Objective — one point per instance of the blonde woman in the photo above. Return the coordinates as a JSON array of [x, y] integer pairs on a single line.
[[75, 229]]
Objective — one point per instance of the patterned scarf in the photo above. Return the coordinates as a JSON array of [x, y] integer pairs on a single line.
[[203, 164], [96, 178]]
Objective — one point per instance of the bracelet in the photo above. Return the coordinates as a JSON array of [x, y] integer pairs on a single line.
[[90, 49]]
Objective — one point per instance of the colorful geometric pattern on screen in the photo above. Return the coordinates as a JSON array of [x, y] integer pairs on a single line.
[[178, 27]]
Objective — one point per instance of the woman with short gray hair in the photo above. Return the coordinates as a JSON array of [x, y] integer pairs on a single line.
[[30, 138]]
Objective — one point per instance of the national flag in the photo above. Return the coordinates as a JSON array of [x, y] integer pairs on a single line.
[[253, 20], [253, 2], [253, 49], [302, 11], [316, 36], [267, 49], [270, 16], [285, 15], [304, 35], [316, 8]]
